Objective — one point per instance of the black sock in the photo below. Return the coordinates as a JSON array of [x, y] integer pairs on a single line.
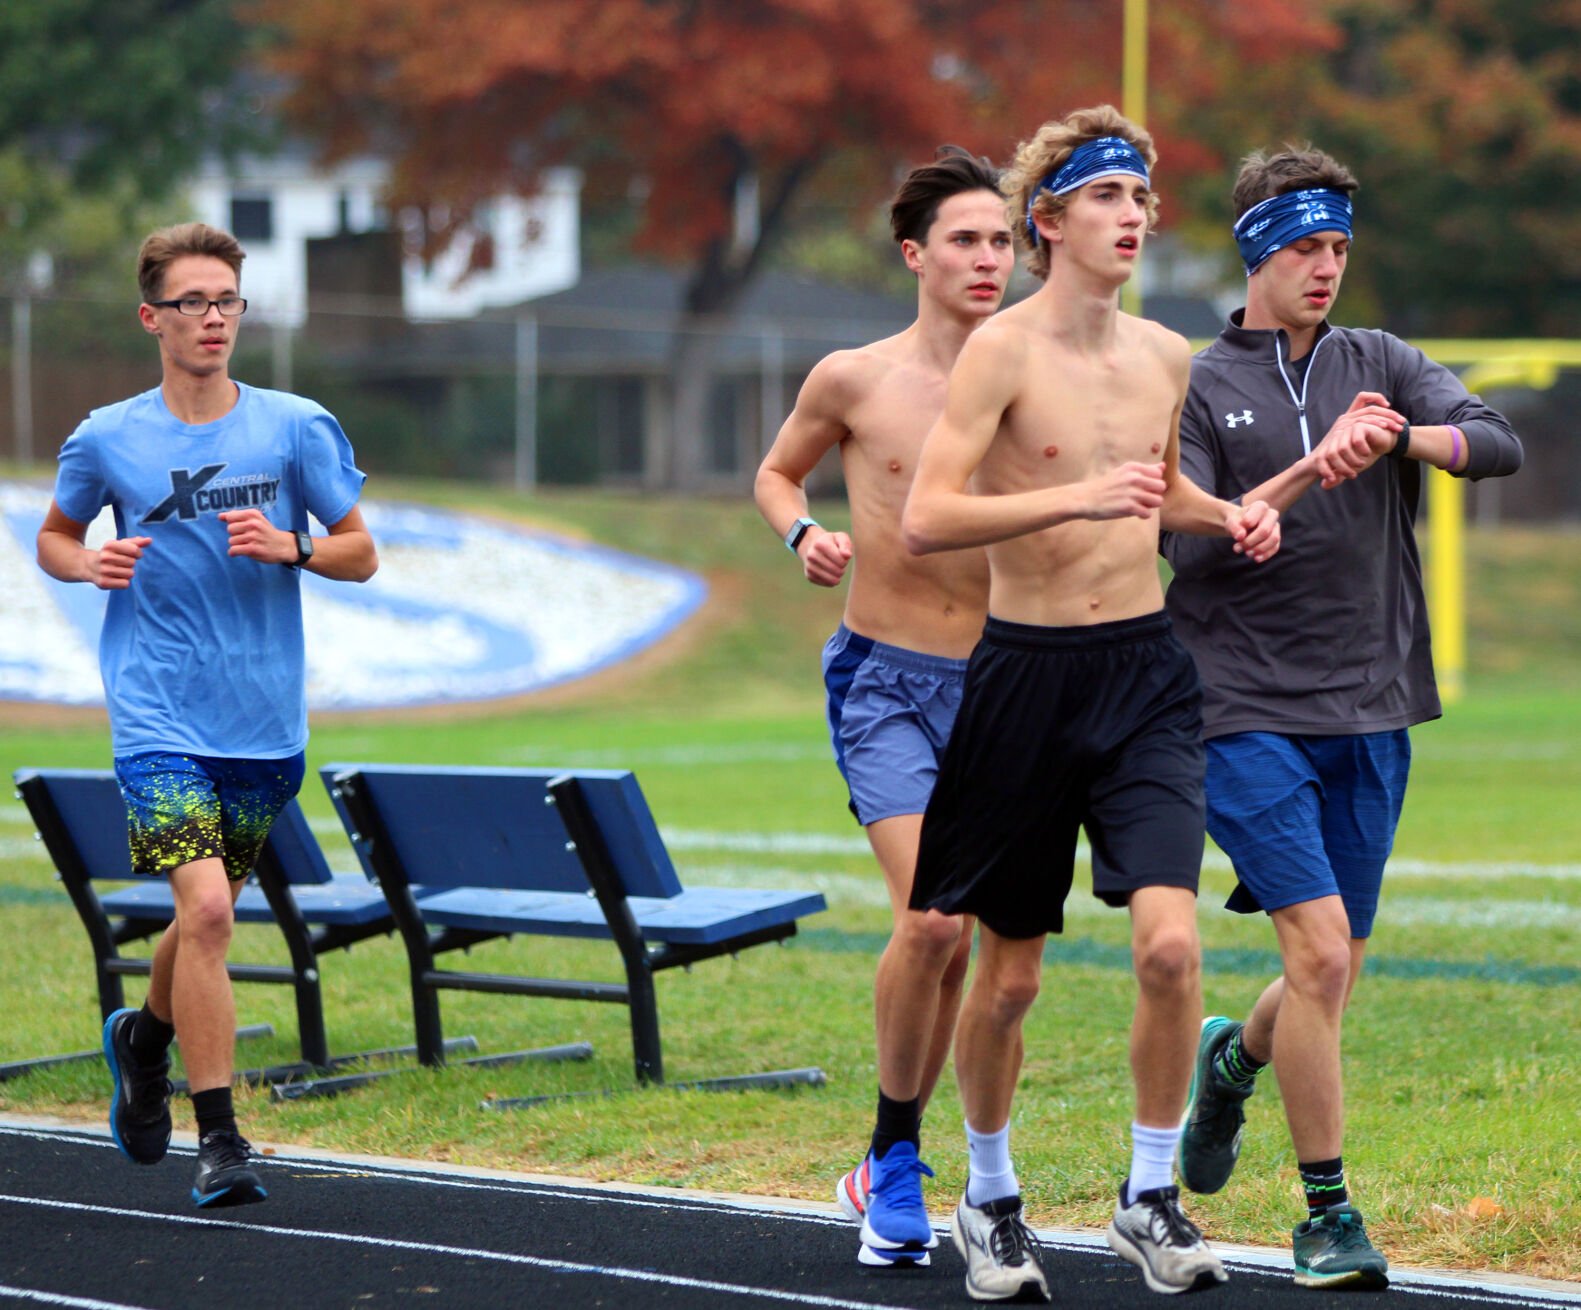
[[214, 1110], [1324, 1181], [151, 1037], [898, 1121], [1235, 1064]]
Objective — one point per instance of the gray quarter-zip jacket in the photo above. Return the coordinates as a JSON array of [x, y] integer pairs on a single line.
[[1329, 637]]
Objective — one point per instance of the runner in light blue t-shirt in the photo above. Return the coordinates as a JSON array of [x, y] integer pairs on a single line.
[[211, 483], [205, 653]]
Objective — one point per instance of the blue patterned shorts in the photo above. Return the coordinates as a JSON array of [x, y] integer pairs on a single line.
[[181, 808]]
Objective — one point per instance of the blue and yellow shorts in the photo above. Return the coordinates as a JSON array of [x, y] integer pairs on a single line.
[[181, 808]]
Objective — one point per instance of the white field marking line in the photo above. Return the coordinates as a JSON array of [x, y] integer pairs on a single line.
[[55, 1298], [431, 1175], [689, 840], [625, 757], [1504, 1289], [463, 1252], [1544, 1293]]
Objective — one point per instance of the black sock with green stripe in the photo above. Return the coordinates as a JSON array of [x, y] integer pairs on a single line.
[[1235, 1064], [1324, 1181]]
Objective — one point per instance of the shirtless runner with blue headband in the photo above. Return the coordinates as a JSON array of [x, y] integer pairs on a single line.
[[1313, 672], [1057, 451]]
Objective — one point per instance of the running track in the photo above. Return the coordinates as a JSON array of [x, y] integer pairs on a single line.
[[81, 1227]]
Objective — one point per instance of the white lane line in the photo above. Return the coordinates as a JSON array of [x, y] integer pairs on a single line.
[[462, 1252], [55, 1298], [1506, 1289], [782, 844]]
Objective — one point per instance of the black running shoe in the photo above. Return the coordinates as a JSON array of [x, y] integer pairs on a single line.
[[1210, 1140], [225, 1173], [140, 1101]]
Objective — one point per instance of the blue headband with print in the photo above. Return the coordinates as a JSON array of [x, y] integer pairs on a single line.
[[1276, 222], [1108, 156]]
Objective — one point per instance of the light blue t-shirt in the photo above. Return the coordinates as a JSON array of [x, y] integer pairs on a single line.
[[203, 652]]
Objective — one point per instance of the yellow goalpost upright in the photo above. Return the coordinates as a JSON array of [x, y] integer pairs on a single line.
[[1483, 365]]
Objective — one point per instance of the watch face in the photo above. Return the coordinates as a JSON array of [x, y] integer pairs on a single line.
[[304, 545]]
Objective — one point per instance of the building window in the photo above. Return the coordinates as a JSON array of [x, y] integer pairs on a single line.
[[252, 218]]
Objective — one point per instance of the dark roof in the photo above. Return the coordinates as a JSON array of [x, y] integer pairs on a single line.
[[623, 321], [629, 316]]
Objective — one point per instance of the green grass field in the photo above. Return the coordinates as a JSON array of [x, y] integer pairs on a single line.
[[1462, 1057]]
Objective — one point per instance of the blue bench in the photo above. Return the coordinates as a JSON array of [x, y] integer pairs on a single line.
[[557, 853], [81, 820]]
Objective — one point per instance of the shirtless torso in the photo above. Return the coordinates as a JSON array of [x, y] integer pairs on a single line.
[[889, 396], [877, 403]]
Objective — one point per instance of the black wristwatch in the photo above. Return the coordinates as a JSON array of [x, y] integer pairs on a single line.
[[1402, 443], [304, 550]]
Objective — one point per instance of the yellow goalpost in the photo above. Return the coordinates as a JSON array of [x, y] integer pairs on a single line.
[[1483, 365]]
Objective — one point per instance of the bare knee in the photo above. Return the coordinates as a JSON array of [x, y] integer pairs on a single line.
[[1168, 960], [931, 936], [1321, 971], [206, 917], [960, 961], [1007, 994]]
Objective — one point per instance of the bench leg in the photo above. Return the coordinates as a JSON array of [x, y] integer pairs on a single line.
[[312, 1087], [645, 1026], [19, 1067]]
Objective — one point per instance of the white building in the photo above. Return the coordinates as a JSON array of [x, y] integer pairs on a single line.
[[275, 206]]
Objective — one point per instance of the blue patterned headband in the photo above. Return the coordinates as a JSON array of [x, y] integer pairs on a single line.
[[1275, 223], [1108, 156]]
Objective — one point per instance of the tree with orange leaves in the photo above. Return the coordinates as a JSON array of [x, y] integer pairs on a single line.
[[698, 99]]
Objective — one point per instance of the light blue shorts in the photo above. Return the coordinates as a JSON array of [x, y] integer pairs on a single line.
[[890, 713], [1304, 817]]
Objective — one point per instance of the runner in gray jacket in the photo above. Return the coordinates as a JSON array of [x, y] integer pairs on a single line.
[[1314, 665]]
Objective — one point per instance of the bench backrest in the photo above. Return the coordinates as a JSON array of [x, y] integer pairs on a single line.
[[90, 807], [477, 827]]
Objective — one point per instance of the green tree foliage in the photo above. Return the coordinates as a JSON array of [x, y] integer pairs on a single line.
[[104, 103], [1463, 122], [119, 88]]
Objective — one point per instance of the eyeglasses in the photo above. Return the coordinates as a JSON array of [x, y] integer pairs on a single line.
[[198, 306]]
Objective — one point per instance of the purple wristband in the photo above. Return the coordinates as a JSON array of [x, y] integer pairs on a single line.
[[1455, 440]]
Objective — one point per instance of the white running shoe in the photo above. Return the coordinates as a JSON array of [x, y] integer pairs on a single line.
[[1000, 1252], [1154, 1234]]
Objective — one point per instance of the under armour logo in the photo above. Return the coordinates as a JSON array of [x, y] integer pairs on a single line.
[[183, 487], [1235, 420]]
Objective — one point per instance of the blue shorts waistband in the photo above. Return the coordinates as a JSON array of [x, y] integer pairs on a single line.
[[1086, 636], [915, 660]]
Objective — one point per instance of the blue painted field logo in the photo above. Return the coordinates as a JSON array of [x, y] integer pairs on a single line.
[[462, 608]]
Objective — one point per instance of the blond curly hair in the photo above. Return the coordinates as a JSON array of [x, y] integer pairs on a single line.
[[1045, 151]]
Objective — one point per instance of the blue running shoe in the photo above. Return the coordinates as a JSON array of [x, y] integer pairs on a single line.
[[895, 1229], [140, 1099], [225, 1173]]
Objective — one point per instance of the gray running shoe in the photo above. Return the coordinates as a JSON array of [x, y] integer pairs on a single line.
[[140, 1097], [1154, 1234], [1210, 1142], [1000, 1252], [1333, 1251]]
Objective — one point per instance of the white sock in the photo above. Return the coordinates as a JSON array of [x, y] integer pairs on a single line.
[[991, 1175], [1152, 1159]]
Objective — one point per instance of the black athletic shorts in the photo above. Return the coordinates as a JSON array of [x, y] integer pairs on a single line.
[[1059, 728]]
